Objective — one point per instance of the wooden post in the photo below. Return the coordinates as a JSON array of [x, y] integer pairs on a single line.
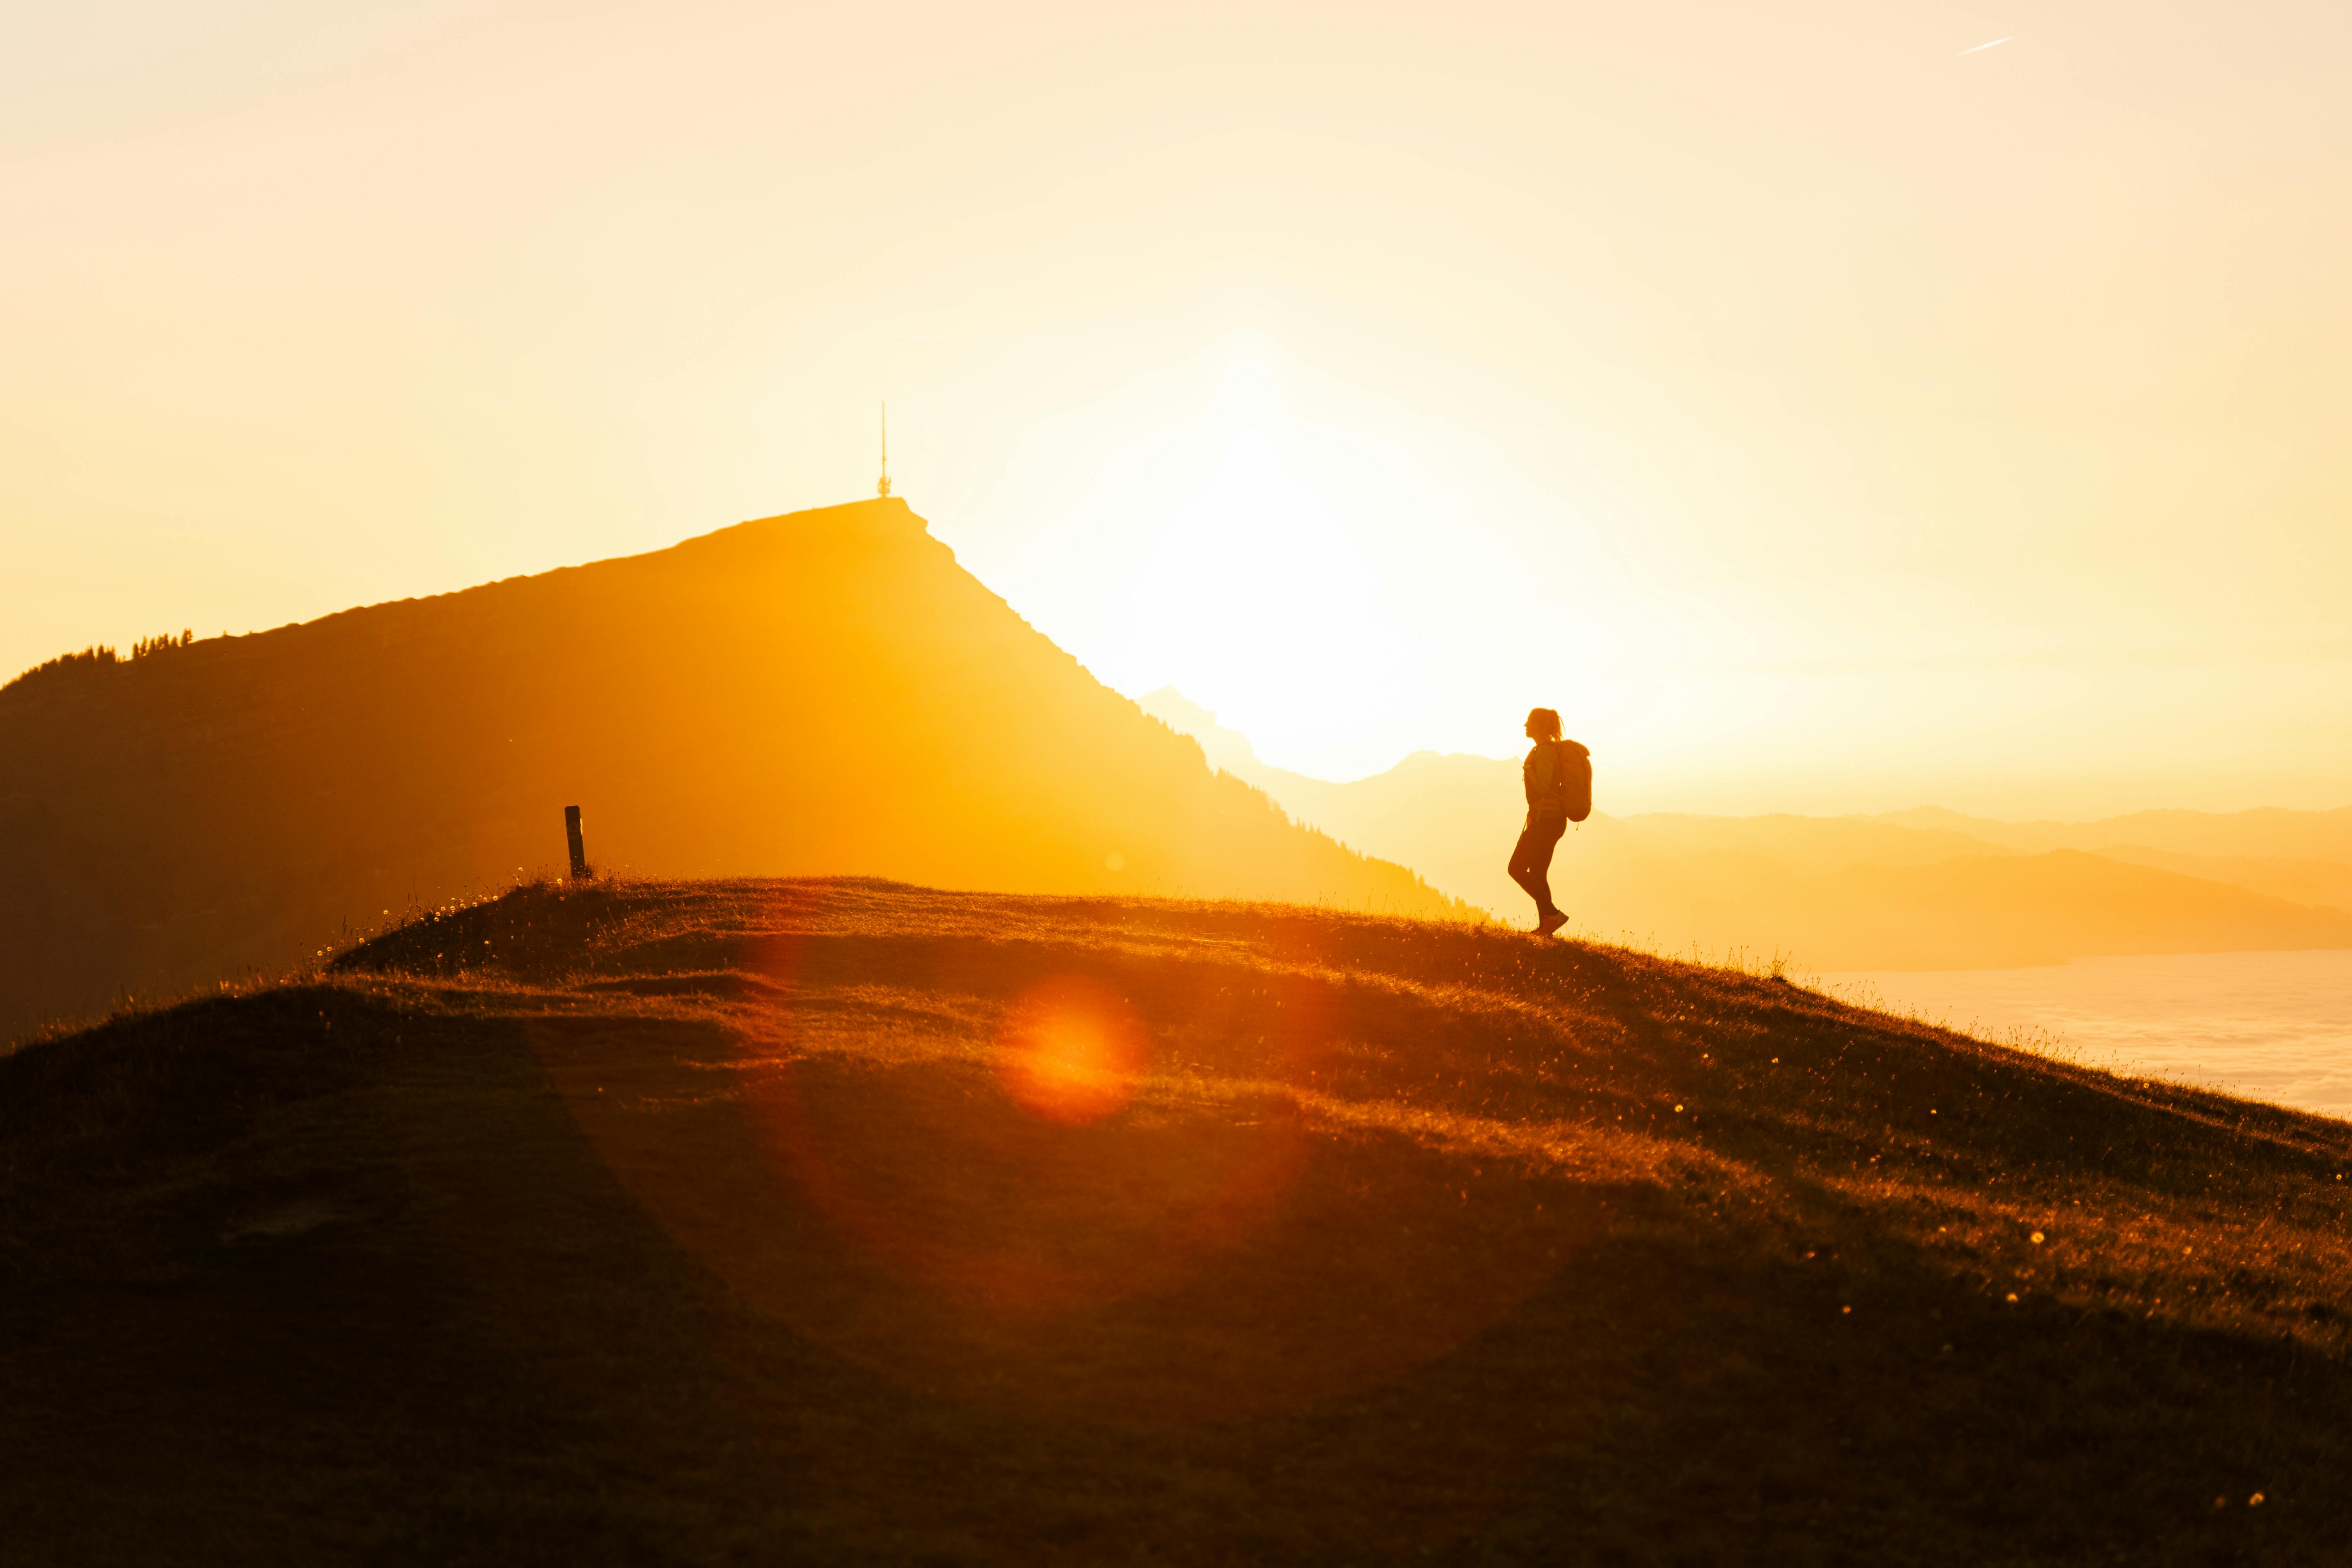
[[580, 872]]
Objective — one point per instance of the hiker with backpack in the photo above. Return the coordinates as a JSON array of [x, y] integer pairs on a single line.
[[1558, 778]]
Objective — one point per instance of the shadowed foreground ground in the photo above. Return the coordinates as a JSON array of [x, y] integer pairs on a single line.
[[845, 1222]]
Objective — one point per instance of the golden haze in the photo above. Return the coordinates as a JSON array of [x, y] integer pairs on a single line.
[[1823, 418]]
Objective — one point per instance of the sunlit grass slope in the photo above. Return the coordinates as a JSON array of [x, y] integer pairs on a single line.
[[843, 1221]]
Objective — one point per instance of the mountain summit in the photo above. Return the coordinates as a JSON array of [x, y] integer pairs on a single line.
[[823, 692]]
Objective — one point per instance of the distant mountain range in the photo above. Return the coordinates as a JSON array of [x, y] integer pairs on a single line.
[[1927, 889], [826, 692]]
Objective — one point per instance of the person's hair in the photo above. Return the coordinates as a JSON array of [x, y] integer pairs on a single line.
[[1546, 720]]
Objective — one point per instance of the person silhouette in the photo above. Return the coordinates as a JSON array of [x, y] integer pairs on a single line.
[[1551, 773]]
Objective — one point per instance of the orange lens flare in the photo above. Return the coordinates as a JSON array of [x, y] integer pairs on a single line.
[[1071, 1050]]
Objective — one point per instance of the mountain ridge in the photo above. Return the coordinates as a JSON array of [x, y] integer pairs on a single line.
[[818, 692]]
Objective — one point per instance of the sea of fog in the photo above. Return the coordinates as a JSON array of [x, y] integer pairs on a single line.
[[2267, 1026]]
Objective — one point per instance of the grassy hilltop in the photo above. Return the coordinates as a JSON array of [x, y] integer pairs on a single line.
[[846, 1222]]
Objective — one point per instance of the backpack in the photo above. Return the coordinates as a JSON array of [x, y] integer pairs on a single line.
[[1575, 778]]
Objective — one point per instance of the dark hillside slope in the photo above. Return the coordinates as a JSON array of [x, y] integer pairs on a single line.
[[819, 693], [842, 1222]]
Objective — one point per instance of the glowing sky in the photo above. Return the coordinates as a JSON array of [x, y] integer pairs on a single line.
[[1824, 412]]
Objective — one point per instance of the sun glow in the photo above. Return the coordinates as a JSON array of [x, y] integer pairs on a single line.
[[1071, 1050], [1317, 561]]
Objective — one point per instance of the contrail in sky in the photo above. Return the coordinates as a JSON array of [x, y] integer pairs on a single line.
[[1982, 47]]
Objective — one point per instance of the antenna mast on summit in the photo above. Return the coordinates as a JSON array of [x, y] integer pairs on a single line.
[[883, 489]]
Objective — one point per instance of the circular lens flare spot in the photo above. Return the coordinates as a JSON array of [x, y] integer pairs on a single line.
[[1070, 1050]]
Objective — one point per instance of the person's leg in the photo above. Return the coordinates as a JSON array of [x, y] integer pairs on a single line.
[[1528, 862], [1541, 838]]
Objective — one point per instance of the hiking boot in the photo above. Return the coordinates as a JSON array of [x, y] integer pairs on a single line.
[[1550, 923]]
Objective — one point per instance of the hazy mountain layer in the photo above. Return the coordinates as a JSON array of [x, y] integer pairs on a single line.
[[1920, 890], [2269, 833], [817, 694]]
